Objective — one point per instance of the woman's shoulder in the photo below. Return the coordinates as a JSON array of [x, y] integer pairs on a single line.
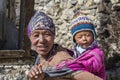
[[63, 50], [61, 55]]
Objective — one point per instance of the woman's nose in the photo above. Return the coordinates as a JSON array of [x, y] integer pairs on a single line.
[[41, 38]]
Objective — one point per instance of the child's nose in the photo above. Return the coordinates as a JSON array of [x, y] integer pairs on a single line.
[[84, 38]]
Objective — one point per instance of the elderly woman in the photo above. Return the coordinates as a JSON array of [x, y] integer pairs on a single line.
[[41, 31]]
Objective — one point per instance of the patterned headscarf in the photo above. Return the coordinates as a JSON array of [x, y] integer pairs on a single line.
[[41, 21]]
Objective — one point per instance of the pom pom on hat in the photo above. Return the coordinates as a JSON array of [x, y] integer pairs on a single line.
[[80, 23]]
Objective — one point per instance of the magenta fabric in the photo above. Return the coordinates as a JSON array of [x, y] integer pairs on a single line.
[[91, 61]]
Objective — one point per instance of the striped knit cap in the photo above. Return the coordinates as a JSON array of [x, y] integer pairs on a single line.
[[80, 23], [41, 21]]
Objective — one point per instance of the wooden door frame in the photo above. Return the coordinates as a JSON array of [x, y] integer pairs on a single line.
[[26, 12]]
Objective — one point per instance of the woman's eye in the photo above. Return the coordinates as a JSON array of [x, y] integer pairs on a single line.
[[35, 35], [47, 34]]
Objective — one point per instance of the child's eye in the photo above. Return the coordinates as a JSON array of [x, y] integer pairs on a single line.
[[87, 35], [79, 36]]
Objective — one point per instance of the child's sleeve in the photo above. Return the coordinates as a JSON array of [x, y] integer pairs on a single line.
[[98, 63]]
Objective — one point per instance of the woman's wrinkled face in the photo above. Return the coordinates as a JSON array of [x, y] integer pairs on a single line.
[[42, 41], [84, 38]]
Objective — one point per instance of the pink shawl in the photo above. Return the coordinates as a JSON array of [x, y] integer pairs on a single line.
[[91, 61]]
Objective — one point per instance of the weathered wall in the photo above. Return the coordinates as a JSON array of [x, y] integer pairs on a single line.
[[15, 69], [106, 17]]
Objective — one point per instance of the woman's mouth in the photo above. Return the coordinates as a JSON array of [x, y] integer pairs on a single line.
[[42, 47]]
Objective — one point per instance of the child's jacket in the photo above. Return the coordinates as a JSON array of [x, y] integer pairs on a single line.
[[91, 61]]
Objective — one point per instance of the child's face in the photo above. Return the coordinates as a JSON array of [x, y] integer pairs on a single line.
[[42, 41], [84, 38]]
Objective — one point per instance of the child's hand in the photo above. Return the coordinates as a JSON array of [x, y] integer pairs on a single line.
[[36, 73]]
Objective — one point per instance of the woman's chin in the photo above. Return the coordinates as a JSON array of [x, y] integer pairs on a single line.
[[42, 52]]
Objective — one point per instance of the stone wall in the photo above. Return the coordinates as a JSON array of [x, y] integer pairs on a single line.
[[14, 72], [106, 17], [15, 68]]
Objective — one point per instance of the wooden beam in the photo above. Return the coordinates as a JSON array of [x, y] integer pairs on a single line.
[[2, 20], [12, 53], [26, 12], [11, 10], [16, 61]]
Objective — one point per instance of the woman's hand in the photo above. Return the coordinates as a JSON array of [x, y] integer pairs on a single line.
[[35, 73]]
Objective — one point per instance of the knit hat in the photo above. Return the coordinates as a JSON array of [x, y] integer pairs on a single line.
[[41, 21], [80, 23]]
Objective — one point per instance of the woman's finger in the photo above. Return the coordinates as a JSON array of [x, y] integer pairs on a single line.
[[40, 68], [31, 74], [35, 70]]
